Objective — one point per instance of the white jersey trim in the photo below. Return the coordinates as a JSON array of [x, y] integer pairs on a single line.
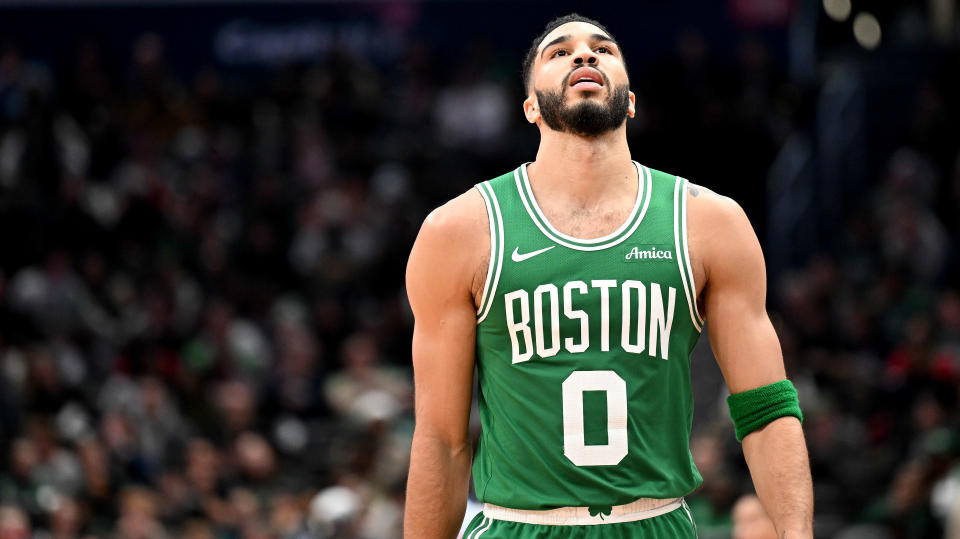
[[644, 186], [481, 529], [686, 257], [496, 240], [680, 242], [689, 514], [493, 248]]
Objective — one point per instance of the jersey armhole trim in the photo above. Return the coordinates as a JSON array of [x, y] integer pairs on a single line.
[[683, 253], [495, 219], [686, 257]]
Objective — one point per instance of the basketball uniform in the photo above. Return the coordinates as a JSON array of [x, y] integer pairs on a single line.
[[583, 357]]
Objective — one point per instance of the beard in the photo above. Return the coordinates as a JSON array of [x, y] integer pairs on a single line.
[[586, 118]]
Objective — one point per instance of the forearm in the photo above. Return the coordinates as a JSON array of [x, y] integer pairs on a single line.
[[437, 487], [777, 457]]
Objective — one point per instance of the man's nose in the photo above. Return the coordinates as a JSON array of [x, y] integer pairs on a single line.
[[585, 56]]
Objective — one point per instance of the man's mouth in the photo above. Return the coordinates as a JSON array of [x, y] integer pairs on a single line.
[[586, 78]]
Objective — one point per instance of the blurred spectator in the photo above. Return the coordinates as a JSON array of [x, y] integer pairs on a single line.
[[750, 521], [472, 112], [13, 523], [365, 390], [905, 507], [67, 519]]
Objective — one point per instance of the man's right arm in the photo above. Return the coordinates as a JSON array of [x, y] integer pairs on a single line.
[[440, 280]]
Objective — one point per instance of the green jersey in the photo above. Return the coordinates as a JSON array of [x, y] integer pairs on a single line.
[[583, 353]]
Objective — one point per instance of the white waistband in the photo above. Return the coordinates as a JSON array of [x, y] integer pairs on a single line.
[[580, 516]]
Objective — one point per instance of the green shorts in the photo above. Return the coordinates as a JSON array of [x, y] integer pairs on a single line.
[[677, 524]]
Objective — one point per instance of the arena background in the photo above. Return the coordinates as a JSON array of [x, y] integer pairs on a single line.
[[205, 213]]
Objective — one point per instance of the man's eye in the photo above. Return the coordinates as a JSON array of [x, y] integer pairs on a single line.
[[560, 52], [602, 50]]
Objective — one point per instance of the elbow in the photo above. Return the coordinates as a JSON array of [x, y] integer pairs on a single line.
[[452, 444]]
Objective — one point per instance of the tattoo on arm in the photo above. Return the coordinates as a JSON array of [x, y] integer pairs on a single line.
[[694, 191]]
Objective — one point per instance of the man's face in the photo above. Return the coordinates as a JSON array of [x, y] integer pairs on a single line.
[[580, 82]]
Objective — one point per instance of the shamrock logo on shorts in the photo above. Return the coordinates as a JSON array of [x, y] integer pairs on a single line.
[[602, 510]]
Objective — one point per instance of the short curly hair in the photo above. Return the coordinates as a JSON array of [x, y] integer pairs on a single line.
[[551, 26]]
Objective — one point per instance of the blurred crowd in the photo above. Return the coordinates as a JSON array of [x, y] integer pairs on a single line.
[[871, 337], [203, 330], [870, 330], [203, 327]]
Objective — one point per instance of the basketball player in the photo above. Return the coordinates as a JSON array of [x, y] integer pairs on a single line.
[[577, 285]]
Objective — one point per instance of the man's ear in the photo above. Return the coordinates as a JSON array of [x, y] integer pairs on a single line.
[[632, 108], [531, 108]]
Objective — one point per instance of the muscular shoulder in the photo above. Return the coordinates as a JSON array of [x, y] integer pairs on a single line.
[[719, 233], [463, 215], [707, 209], [454, 241]]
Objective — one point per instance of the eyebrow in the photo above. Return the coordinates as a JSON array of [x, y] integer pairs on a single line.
[[566, 37]]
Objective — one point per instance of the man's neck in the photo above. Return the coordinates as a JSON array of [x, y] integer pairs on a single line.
[[587, 170]]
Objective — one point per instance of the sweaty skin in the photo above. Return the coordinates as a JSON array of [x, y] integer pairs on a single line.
[[586, 187]]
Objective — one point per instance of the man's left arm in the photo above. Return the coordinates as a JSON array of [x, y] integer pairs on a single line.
[[748, 352]]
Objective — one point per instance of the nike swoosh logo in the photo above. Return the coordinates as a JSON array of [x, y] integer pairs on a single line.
[[517, 257]]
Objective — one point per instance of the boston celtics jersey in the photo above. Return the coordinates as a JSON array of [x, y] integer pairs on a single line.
[[583, 353]]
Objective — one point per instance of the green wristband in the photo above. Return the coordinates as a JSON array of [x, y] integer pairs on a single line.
[[753, 409]]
